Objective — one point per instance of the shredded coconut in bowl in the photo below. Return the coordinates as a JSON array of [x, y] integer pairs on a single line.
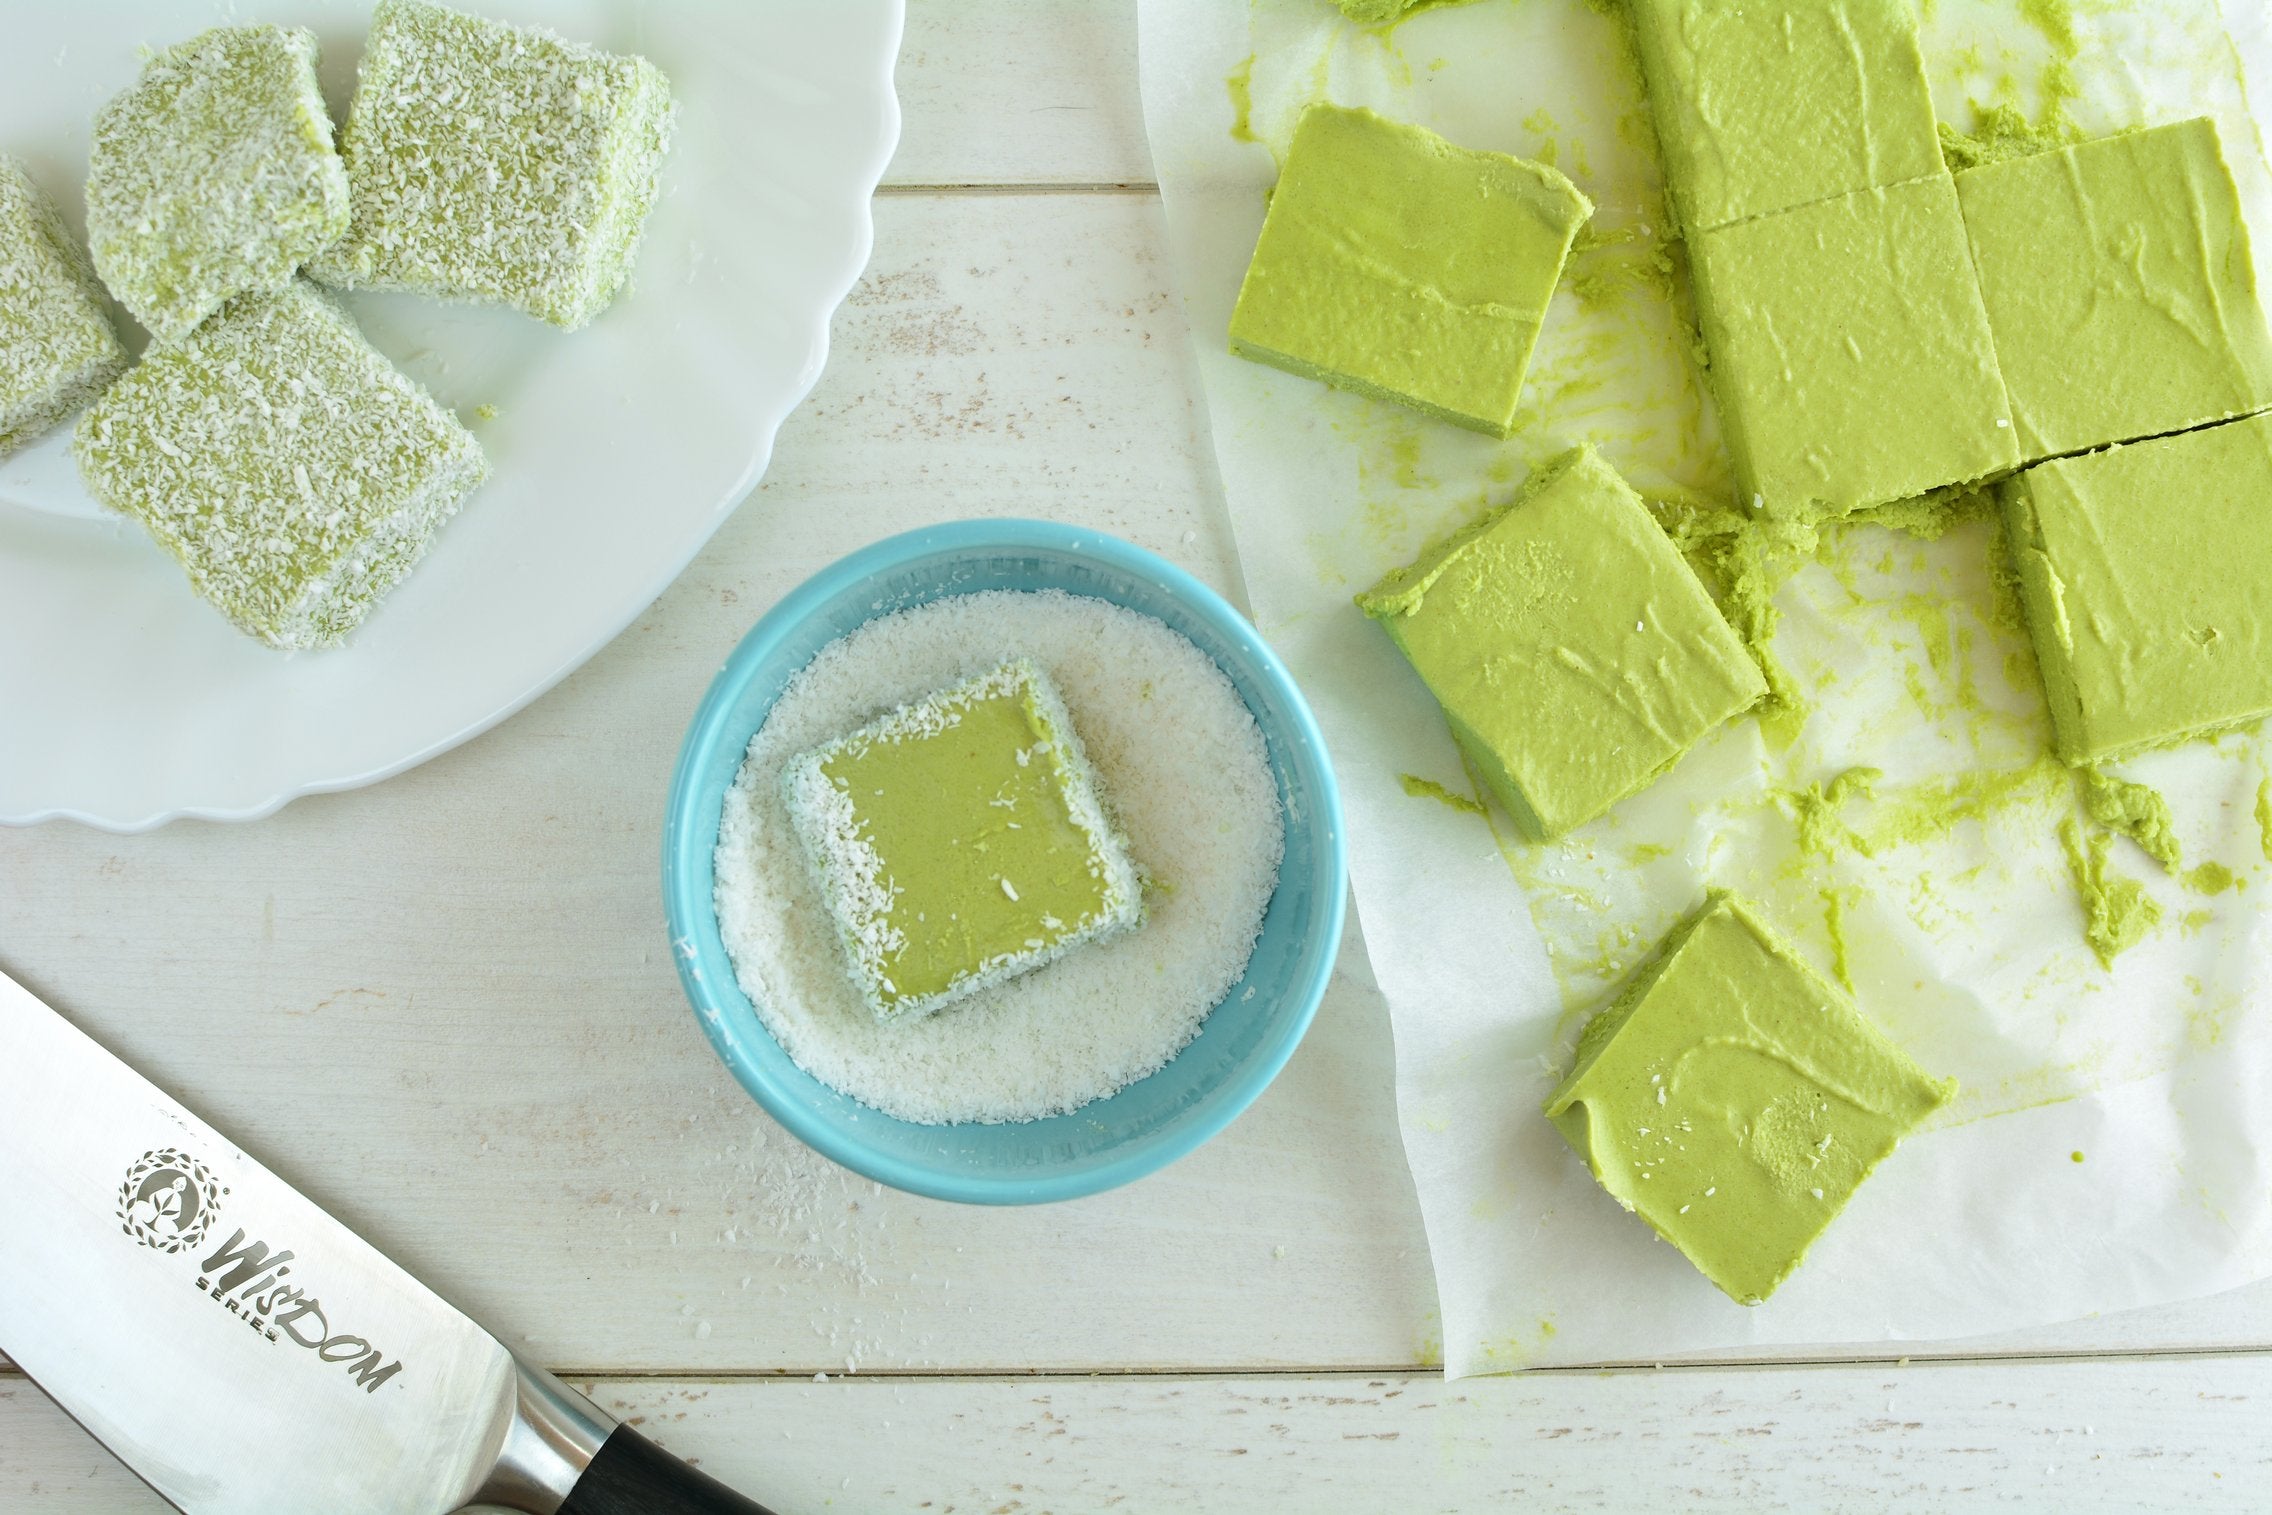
[[1182, 764]]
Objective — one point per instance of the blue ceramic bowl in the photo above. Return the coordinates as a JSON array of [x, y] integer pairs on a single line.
[[1151, 1122]]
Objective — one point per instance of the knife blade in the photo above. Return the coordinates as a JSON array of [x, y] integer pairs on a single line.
[[242, 1351]]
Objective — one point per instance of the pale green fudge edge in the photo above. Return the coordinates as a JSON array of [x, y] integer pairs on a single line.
[[294, 473], [1772, 104], [213, 176], [2146, 574], [2119, 287], [571, 146], [57, 348], [1735, 1100], [1850, 355], [1573, 651], [1397, 265]]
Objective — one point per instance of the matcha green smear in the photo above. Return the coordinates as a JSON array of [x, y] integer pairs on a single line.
[[2136, 811], [1239, 82], [2211, 877], [1428, 789], [2264, 817], [2117, 911]]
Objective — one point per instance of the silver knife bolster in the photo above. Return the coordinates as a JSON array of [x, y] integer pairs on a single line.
[[554, 1434]]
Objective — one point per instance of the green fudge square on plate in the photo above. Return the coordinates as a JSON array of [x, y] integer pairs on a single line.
[[1735, 1099], [293, 471], [1397, 265], [2119, 287], [960, 840], [57, 348], [1764, 105], [213, 176], [497, 163], [1850, 355], [1573, 650], [2146, 572]]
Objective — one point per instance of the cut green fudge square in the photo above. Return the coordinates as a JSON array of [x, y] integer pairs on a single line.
[[213, 176], [1765, 105], [1573, 650], [2119, 288], [57, 348], [497, 163], [1397, 265], [960, 841], [1735, 1099], [1850, 355], [293, 471], [2146, 573]]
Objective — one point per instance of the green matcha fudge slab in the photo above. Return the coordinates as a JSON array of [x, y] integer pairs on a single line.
[[1850, 355], [1397, 265], [2146, 573], [497, 163], [2119, 288], [1735, 1099], [293, 471], [1572, 649], [57, 348], [960, 841], [213, 176], [1766, 105]]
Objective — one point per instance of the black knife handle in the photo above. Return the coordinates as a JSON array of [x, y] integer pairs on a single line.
[[632, 1476]]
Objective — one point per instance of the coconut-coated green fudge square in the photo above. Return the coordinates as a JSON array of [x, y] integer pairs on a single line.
[[1397, 265], [1850, 355], [1735, 1099], [960, 840], [293, 471], [213, 176], [2146, 574], [1764, 105], [57, 349], [2119, 287], [1572, 649], [497, 163]]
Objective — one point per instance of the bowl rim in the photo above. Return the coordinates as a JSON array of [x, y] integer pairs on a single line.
[[690, 844]]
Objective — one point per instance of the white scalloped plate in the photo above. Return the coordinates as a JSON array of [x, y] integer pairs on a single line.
[[616, 451]]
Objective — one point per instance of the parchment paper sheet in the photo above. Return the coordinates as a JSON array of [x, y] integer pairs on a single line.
[[1967, 946]]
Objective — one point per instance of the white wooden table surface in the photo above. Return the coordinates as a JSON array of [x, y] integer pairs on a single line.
[[444, 1007]]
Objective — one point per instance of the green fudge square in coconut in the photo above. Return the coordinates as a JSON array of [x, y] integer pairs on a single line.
[[1572, 649], [1397, 265], [213, 176], [960, 841], [497, 163], [1735, 1099], [2146, 572], [1850, 354], [57, 348], [1765, 105], [2119, 287], [293, 471]]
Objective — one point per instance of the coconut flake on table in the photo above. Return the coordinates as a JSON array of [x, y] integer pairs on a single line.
[[1185, 770]]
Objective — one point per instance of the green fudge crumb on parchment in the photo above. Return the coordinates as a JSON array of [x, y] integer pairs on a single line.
[[2117, 911], [2138, 812], [2211, 877], [2264, 817], [1428, 789]]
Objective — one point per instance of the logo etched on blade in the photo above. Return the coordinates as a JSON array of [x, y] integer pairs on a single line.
[[168, 1200]]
